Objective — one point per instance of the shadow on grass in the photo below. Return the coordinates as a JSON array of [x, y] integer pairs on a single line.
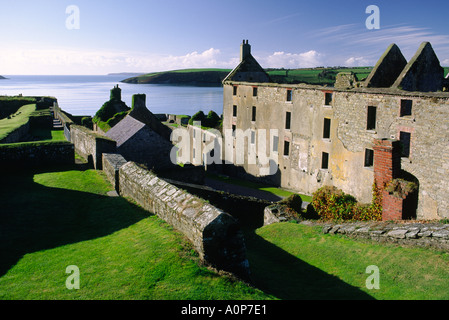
[[34, 217], [283, 275]]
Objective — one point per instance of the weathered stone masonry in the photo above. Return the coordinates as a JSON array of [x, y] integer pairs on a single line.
[[428, 235], [215, 234], [91, 145], [36, 154]]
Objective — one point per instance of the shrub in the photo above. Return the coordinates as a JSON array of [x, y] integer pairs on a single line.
[[401, 187], [292, 205], [290, 208], [87, 122], [212, 120], [331, 203], [199, 116]]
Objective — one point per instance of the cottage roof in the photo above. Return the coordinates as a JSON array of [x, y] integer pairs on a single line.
[[125, 130]]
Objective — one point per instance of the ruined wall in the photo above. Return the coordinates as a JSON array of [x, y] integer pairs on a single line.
[[91, 145], [215, 234], [427, 235], [300, 168], [248, 211], [65, 120], [112, 163], [37, 153], [426, 120], [18, 134]]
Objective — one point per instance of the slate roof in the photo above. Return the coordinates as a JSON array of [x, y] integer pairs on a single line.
[[125, 130], [248, 70]]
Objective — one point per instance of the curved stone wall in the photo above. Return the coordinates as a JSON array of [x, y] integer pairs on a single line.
[[215, 234]]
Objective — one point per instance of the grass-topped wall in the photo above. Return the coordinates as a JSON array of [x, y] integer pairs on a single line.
[[36, 154]]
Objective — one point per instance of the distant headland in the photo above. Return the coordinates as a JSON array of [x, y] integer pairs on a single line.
[[197, 77], [214, 77]]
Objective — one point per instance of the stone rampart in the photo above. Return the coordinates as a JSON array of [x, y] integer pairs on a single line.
[[248, 211], [65, 120], [91, 145], [18, 134], [214, 233], [112, 163], [37, 153]]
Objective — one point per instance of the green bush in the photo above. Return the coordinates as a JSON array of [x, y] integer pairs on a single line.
[[87, 122], [331, 203], [199, 116], [212, 120], [117, 118], [292, 204]]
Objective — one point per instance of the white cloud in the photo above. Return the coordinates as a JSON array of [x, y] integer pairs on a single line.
[[357, 62], [75, 61], [292, 60], [364, 42]]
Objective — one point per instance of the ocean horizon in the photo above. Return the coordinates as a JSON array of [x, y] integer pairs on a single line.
[[84, 95]]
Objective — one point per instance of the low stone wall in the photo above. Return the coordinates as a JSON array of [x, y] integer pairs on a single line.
[[37, 153], [112, 163], [91, 145], [214, 233], [248, 211], [432, 235], [65, 120], [18, 134]]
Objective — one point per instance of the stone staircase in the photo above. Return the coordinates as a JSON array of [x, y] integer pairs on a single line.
[[57, 125]]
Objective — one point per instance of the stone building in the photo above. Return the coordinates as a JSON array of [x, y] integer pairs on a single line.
[[327, 135], [142, 138]]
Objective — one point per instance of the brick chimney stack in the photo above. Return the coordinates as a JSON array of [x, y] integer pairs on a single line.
[[387, 161], [387, 166]]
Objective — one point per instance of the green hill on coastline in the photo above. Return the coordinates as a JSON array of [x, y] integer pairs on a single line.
[[185, 76], [214, 77]]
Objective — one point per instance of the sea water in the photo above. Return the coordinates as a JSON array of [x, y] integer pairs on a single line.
[[84, 95]]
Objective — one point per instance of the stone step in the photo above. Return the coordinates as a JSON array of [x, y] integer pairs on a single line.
[[57, 124]]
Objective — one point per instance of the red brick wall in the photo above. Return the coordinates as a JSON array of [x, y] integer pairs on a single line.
[[391, 207], [387, 166], [387, 161]]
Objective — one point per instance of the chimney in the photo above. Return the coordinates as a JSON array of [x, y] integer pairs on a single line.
[[245, 50], [138, 101]]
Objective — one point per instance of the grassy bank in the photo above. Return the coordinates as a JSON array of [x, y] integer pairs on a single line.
[[16, 120], [318, 76], [293, 261], [125, 253], [122, 251]]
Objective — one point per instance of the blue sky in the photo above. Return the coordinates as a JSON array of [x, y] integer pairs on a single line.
[[147, 35]]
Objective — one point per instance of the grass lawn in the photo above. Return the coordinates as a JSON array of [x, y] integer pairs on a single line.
[[52, 220], [16, 120], [293, 261], [58, 218], [48, 135]]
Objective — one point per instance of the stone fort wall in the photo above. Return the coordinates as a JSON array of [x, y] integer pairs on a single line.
[[215, 234], [91, 145], [37, 154]]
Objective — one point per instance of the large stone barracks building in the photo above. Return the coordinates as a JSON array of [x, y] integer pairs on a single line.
[[394, 124]]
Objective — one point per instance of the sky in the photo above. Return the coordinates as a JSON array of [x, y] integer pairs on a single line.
[[96, 37]]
